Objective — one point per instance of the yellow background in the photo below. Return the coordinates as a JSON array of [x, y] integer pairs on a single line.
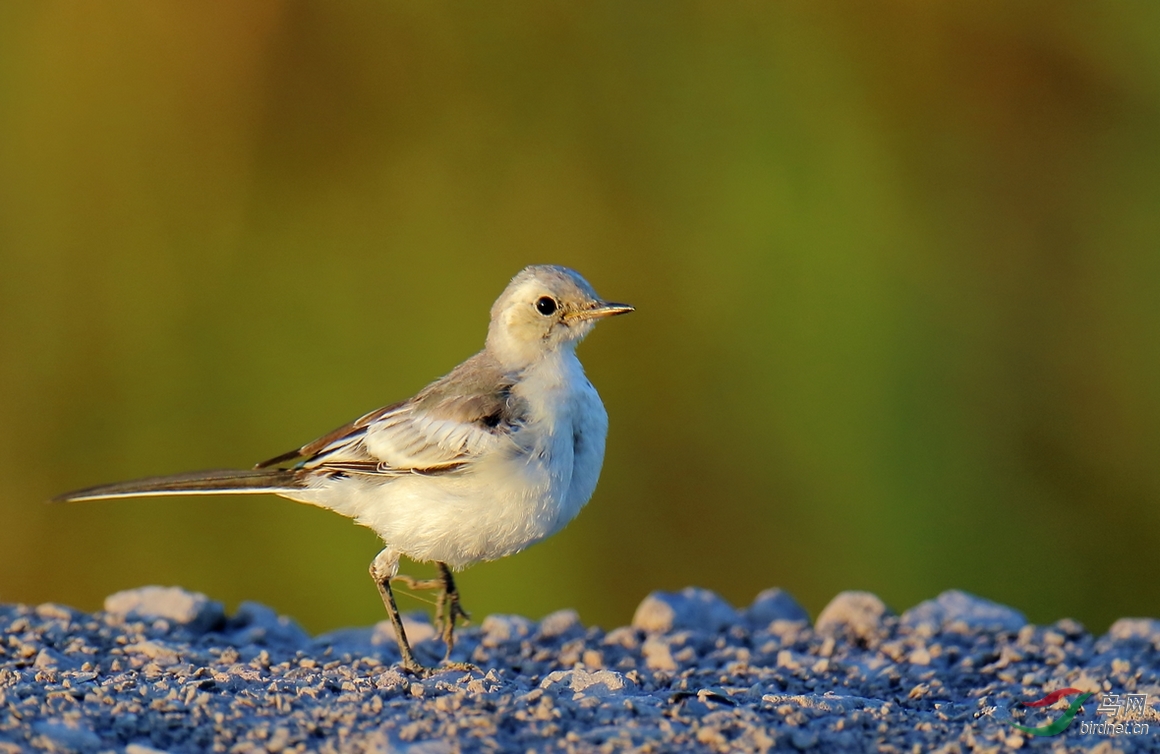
[[896, 267]]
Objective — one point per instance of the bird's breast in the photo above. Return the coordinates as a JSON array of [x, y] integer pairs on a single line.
[[564, 436]]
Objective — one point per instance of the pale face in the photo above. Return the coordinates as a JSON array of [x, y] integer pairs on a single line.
[[545, 308]]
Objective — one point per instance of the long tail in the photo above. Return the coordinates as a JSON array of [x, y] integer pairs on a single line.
[[218, 482]]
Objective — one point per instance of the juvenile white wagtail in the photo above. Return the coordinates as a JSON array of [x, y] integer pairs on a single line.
[[495, 456]]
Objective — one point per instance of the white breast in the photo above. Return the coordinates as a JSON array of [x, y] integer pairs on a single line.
[[570, 426]]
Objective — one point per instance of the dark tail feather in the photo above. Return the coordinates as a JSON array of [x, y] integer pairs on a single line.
[[220, 482]]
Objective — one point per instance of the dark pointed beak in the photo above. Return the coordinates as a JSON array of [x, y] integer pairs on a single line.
[[604, 309]]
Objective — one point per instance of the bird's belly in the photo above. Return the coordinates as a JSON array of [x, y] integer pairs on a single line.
[[496, 509]]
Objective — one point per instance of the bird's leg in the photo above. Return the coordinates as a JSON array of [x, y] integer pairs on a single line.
[[447, 607], [383, 568]]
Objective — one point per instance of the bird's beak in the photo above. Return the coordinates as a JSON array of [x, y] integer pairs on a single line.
[[602, 310]]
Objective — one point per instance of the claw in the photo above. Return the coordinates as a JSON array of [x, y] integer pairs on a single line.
[[465, 667], [417, 669]]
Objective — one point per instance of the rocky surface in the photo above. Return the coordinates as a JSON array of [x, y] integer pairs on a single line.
[[166, 670]]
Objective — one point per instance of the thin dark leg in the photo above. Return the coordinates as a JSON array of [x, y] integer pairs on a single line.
[[410, 664], [449, 607]]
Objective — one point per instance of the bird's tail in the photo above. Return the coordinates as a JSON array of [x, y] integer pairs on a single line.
[[219, 482]]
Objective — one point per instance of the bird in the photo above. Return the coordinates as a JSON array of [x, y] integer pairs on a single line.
[[498, 454]]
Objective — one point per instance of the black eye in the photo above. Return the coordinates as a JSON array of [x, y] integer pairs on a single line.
[[546, 305]]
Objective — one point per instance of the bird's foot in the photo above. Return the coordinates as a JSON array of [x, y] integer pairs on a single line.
[[417, 669], [423, 672], [465, 667]]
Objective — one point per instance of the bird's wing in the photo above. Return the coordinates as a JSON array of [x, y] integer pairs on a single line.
[[442, 429], [346, 438]]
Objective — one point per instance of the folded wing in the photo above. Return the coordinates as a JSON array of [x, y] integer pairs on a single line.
[[453, 421]]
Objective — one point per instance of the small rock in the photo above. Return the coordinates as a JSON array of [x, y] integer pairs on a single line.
[[193, 610], [390, 679], [691, 608], [51, 659], [254, 623], [561, 623], [66, 736], [657, 655], [417, 626], [774, 604], [353, 640], [142, 749], [500, 628], [1070, 627], [51, 610], [600, 683], [624, 636], [859, 614], [159, 653], [975, 613], [1135, 630]]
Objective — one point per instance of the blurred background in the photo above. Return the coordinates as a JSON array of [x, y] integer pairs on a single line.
[[896, 266]]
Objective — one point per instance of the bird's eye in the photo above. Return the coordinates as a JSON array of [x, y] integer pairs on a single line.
[[546, 305]]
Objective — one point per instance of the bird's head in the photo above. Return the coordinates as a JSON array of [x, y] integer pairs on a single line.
[[544, 308]]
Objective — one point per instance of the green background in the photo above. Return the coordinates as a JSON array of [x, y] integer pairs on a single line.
[[896, 266]]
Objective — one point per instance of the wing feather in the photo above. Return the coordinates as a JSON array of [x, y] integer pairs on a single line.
[[442, 429]]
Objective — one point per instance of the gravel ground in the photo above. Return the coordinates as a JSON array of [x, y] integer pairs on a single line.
[[166, 670]]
